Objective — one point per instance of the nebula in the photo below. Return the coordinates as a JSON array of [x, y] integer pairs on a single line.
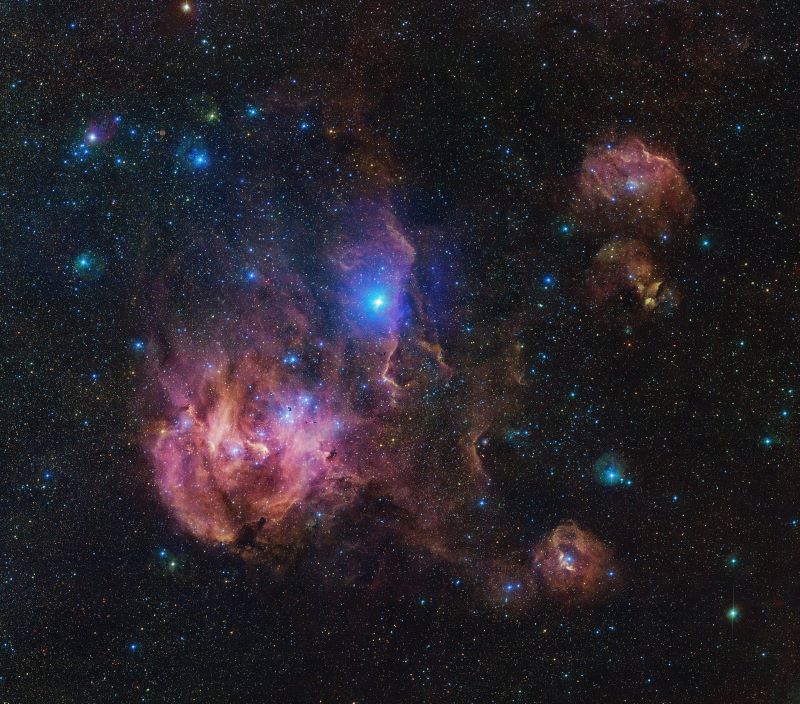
[[319, 420], [101, 130], [627, 187], [278, 422], [573, 565], [246, 442], [624, 278], [317, 415]]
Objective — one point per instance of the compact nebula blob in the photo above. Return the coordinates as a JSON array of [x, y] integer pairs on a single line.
[[624, 278], [631, 197], [101, 130], [628, 187], [573, 564], [609, 470]]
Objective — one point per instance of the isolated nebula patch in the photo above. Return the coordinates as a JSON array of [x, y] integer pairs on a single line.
[[627, 187], [573, 564], [625, 279]]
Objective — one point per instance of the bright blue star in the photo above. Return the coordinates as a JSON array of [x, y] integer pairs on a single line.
[[377, 303], [88, 266], [609, 470], [199, 159]]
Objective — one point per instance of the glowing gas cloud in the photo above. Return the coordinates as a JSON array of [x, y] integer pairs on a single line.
[[625, 277], [636, 200], [627, 187], [573, 564], [247, 443], [271, 426], [321, 415]]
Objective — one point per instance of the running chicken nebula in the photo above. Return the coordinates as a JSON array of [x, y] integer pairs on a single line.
[[400, 352], [627, 187], [279, 435], [311, 419]]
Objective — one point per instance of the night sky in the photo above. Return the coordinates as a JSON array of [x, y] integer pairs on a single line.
[[400, 352]]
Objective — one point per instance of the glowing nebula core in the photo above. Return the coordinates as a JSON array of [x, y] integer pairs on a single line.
[[245, 440], [270, 427], [628, 186], [573, 564], [624, 275]]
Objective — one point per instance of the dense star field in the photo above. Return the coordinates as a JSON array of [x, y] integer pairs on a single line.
[[400, 352]]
